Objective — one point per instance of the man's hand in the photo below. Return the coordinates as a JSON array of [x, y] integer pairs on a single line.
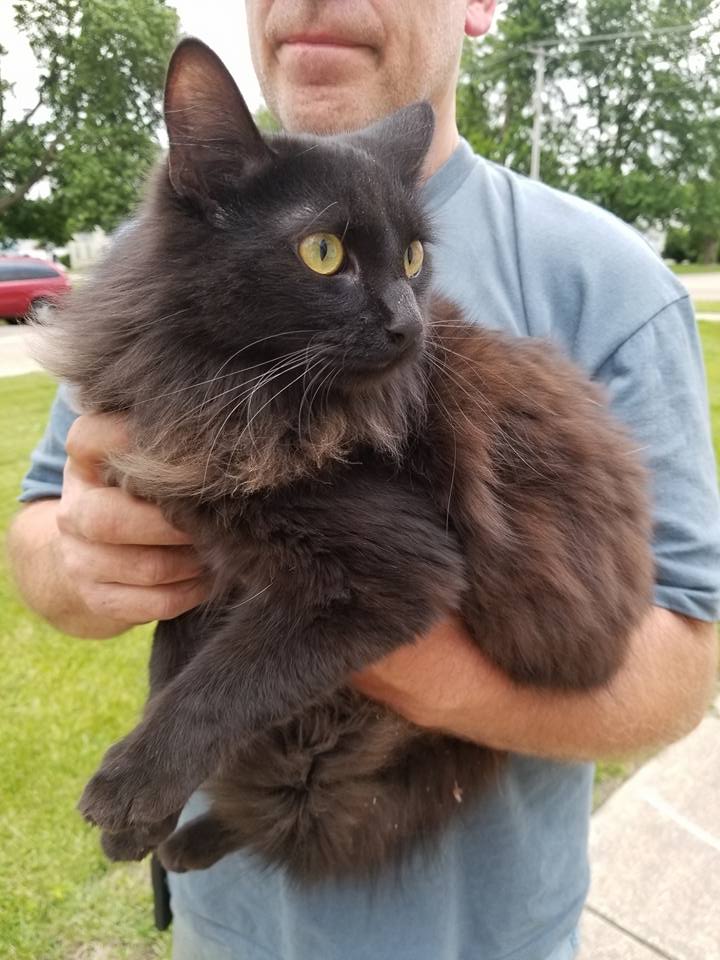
[[99, 560], [443, 682]]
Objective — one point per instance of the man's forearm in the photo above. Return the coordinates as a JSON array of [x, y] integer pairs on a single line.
[[40, 577], [659, 695]]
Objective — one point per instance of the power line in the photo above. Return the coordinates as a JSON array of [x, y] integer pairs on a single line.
[[598, 39], [539, 49], [593, 38]]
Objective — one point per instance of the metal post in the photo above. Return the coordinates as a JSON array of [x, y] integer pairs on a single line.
[[538, 109]]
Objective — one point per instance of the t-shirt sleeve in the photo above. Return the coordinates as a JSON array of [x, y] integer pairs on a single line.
[[45, 476], [657, 384]]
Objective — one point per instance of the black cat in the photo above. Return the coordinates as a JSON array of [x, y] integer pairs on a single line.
[[354, 461]]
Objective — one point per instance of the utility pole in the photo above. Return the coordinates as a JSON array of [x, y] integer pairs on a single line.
[[538, 109]]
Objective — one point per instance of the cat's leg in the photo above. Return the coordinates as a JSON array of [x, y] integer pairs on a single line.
[[175, 642], [353, 591], [197, 845]]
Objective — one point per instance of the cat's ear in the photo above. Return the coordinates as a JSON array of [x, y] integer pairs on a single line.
[[212, 135], [402, 140]]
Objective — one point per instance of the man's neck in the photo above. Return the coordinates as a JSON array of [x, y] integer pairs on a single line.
[[445, 139]]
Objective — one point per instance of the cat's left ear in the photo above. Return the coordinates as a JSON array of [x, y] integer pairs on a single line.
[[402, 140], [212, 135]]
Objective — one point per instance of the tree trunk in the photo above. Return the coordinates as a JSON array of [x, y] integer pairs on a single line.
[[42, 166], [709, 250]]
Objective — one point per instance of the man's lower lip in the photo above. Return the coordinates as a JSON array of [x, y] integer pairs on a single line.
[[322, 46]]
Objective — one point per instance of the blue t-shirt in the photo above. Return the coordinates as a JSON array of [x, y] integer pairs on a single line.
[[509, 882]]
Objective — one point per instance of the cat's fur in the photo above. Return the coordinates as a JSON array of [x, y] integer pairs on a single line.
[[401, 464]]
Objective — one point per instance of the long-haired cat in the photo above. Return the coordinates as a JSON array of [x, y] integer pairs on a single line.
[[354, 461]]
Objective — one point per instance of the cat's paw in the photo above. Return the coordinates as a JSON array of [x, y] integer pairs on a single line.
[[195, 846], [128, 792], [126, 845], [136, 842]]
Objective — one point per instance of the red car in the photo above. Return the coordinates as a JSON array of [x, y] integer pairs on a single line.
[[28, 282]]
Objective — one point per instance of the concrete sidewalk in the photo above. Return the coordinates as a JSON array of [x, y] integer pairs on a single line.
[[655, 853], [14, 358]]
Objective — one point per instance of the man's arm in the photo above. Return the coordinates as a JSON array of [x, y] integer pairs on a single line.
[[443, 682], [96, 561]]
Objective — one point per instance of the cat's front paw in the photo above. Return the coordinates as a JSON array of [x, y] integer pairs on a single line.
[[129, 791], [136, 842]]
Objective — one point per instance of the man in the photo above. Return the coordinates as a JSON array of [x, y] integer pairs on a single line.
[[511, 880]]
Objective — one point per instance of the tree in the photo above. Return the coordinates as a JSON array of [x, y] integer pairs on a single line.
[[651, 108], [497, 81], [266, 121], [632, 123], [92, 132]]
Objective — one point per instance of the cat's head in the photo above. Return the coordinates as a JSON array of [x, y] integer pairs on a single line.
[[315, 243], [267, 312]]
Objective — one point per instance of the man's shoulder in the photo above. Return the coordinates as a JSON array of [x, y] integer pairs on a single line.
[[555, 225], [582, 275]]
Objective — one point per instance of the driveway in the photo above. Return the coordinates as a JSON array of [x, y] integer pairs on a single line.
[[702, 286], [13, 353]]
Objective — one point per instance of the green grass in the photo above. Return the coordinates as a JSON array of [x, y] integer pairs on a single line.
[[710, 333], [695, 267], [706, 306], [62, 701]]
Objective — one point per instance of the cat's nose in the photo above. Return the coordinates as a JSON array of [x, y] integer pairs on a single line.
[[402, 331], [403, 322]]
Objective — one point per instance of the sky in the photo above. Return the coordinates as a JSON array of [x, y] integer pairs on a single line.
[[220, 23]]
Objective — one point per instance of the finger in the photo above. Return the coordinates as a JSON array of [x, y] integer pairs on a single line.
[[112, 516], [130, 565], [92, 438], [128, 604]]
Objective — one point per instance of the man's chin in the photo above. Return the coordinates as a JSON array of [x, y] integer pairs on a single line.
[[333, 111]]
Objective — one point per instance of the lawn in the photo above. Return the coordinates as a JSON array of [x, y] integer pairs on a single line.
[[706, 306], [62, 701], [695, 267]]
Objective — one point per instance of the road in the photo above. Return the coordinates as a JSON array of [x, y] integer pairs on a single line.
[[13, 353]]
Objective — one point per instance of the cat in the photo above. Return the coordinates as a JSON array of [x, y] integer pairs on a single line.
[[354, 460]]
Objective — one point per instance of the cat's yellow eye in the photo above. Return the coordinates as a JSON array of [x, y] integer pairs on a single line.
[[322, 252], [414, 256]]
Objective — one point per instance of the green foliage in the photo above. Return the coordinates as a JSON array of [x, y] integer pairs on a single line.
[[679, 246], [653, 102], [93, 132], [266, 120], [497, 75], [632, 124]]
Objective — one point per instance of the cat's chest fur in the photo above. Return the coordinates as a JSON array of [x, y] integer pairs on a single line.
[[299, 533]]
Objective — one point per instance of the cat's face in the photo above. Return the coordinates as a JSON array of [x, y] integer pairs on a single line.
[[266, 317], [312, 250]]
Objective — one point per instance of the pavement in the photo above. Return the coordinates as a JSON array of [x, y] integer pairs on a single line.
[[655, 855], [702, 286], [14, 359]]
